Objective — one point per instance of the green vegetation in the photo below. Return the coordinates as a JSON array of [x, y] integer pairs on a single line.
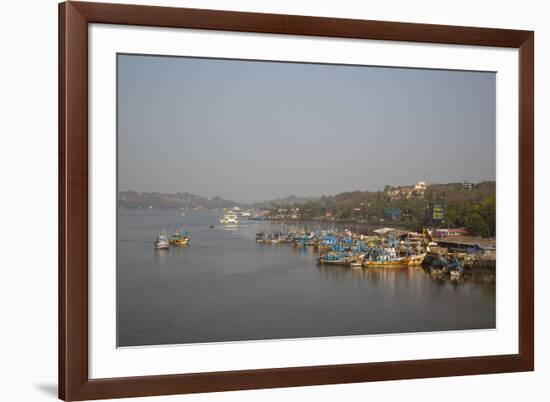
[[479, 218], [471, 208]]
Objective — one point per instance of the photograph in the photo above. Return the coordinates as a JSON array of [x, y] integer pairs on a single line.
[[275, 201], [268, 200]]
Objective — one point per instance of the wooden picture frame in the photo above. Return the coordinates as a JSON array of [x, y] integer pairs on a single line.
[[74, 381]]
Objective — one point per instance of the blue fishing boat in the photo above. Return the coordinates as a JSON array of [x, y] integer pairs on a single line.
[[439, 266], [339, 258], [455, 268]]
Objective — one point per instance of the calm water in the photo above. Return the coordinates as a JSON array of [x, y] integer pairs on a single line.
[[225, 287]]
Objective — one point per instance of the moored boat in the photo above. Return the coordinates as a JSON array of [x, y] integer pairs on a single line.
[[272, 238], [414, 260], [162, 242], [179, 238], [336, 258], [438, 266], [383, 262], [382, 257], [455, 269]]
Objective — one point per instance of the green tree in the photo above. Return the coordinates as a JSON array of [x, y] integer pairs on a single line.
[[487, 209], [476, 225]]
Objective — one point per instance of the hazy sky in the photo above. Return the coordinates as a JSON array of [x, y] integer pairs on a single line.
[[252, 131]]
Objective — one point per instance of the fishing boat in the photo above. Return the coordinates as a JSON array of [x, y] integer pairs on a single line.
[[285, 238], [337, 258], [380, 258], [179, 238], [229, 218], [267, 238], [438, 266], [455, 269], [326, 243], [162, 242], [304, 239], [414, 260]]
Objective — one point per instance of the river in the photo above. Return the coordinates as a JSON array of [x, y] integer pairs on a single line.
[[226, 287]]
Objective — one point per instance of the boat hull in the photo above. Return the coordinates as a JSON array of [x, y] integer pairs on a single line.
[[180, 242], [340, 261], [414, 260], [334, 262], [384, 264], [161, 245]]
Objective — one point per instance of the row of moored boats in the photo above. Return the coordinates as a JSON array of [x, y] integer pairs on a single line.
[[354, 250]]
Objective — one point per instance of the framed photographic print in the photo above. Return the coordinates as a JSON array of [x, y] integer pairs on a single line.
[[260, 200]]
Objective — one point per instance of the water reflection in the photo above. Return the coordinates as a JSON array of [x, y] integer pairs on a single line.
[[177, 251], [224, 286], [161, 255], [414, 277]]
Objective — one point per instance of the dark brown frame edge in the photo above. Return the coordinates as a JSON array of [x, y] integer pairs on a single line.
[[74, 18]]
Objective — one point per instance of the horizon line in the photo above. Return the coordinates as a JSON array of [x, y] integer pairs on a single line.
[[209, 198]]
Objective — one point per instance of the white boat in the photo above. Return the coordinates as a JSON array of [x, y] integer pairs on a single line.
[[162, 241], [229, 218]]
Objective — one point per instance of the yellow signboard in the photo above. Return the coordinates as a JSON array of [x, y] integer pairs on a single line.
[[437, 212]]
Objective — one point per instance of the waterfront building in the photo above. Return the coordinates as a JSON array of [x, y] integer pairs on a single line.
[[415, 191]]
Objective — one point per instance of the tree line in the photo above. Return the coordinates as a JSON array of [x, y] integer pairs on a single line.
[[471, 208]]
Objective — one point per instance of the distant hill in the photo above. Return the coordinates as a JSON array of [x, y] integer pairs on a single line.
[[465, 205], [132, 199], [291, 199], [451, 193]]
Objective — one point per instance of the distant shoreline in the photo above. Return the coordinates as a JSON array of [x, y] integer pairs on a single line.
[[355, 223]]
